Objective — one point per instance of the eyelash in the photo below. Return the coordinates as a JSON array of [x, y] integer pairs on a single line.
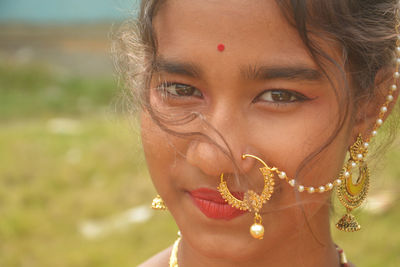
[[293, 97], [194, 92]]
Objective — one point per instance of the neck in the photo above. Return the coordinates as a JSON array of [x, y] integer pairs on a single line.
[[302, 248]]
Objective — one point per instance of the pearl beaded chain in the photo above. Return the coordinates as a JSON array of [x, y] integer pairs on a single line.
[[309, 189], [392, 88], [378, 123]]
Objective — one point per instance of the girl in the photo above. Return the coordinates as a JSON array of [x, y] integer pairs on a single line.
[[247, 111]]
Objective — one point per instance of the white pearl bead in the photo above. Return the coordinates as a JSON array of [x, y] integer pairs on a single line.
[[311, 190], [384, 109], [379, 121], [374, 133], [257, 231], [292, 182], [330, 185], [346, 174], [396, 75], [300, 188], [282, 175], [338, 182], [353, 164], [393, 87], [321, 189], [389, 98], [397, 61], [398, 50], [366, 145], [359, 156]]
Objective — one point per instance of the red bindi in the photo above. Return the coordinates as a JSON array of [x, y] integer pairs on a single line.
[[221, 47]]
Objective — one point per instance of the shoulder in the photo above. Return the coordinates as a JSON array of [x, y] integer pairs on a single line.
[[160, 259]]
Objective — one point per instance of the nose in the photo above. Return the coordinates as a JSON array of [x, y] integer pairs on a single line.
[[212, 159], [222, 149]]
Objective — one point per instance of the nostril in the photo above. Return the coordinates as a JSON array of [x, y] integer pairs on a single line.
[[244, 156], [247, 162]]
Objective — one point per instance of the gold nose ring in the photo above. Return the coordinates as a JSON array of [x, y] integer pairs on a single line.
[[252, 201]]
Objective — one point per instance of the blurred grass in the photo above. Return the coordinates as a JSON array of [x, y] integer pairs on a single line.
[[33, 91], [66, 158]]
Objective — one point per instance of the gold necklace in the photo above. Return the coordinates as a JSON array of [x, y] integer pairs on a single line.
[[173, 259]]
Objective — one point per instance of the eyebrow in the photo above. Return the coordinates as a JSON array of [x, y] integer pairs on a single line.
[[287, 72], [174, 67], [251, 72]]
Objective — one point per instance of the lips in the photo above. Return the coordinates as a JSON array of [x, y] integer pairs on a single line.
[[211, 203]]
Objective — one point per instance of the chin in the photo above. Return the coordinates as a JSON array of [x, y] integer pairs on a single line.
[[232, 241]]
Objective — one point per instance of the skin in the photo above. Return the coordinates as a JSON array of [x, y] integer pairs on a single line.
[[240, 107]]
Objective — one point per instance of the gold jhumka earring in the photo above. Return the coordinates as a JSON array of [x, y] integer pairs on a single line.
[[351, 194], [158, 203]]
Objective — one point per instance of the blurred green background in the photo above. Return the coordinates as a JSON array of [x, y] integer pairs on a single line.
[[74, 189]]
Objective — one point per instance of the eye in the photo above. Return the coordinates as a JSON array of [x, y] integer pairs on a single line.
[[281, 96], [180, 90]]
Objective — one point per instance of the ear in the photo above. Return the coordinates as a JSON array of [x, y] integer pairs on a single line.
[[369, 107]]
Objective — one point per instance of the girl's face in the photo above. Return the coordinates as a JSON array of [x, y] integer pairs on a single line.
[[266, 96]]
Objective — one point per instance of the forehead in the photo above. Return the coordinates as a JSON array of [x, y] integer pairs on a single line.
[[250, 30]]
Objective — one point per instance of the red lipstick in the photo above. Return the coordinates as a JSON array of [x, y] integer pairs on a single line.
[[211, 203]]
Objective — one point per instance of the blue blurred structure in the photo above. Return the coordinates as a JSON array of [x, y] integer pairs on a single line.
[[61, 11], [68, 36]]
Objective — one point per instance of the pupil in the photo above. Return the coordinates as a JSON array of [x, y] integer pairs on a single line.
[[281, 96], [184, 90]]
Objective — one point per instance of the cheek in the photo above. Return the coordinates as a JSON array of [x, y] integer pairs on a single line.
[[163, 154], [329, 154], [155, 148], [288, 141]]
